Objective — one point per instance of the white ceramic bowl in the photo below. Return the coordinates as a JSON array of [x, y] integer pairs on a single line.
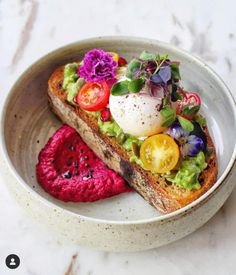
[[125, 222]]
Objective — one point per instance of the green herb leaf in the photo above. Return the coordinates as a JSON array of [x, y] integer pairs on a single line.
[[135, 85], [186, 124], [120, 88], [169, 115], [190, 111], [201, 120], [175, 71], [167, 112], [174, 93], [132, 66], [164, 56], [168, 122], [165, 100], [161, 60], [158, 58], [147, 56]]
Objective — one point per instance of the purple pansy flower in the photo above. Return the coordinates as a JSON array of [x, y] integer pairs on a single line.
[[163, 76], [190, 145], [97, 65]]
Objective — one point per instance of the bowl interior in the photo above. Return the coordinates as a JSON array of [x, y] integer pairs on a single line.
[[28, 121]]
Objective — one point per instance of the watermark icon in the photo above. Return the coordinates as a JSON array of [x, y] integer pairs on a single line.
[[12, 261]]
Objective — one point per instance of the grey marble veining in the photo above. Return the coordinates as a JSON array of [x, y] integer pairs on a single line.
[[30, 29], [26, 32]]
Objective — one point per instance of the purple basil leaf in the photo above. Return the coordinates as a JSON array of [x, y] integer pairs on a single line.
[[155, 90], [167, 62], [150, 66], [137, 73]]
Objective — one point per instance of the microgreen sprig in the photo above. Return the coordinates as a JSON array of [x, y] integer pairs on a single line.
[[169, 115], [163, 59], [148, 68]]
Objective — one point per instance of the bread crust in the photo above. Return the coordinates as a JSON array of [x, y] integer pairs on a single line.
[[154, 188]]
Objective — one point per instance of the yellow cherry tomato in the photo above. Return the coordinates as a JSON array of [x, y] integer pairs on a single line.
[[114, 55], [159, 153]]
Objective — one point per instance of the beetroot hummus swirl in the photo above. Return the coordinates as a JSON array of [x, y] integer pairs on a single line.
[[69, 170]]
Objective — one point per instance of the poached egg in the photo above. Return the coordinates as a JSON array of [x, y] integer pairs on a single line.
[[137, 114]]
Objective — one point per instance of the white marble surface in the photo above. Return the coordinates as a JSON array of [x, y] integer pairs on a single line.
[[28, 30]]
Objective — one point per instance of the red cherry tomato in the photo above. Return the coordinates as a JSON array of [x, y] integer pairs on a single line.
[[191, 99], [122, 62], [93, 96]]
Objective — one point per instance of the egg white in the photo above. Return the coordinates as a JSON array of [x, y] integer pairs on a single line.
[[137, 114]]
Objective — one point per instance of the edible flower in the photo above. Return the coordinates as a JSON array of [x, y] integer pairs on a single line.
[[162, 77], [98, 65], [190, 145]]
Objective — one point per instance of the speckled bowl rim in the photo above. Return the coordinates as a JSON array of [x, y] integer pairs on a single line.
[[168, 47]]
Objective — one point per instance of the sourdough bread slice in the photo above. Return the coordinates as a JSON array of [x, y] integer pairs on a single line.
[[152, 187]]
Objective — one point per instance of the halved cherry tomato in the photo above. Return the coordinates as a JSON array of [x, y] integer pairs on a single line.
[[93, 96], [191, 99], [122, 61], [159, 153]]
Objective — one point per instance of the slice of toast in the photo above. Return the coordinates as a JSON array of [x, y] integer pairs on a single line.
[[152, 187]]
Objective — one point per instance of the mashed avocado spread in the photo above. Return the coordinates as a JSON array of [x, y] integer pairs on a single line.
[[72, 83], [112, 129], [70, 75], [190, 169]]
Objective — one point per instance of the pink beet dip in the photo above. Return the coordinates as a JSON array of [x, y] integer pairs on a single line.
[[70, 171]]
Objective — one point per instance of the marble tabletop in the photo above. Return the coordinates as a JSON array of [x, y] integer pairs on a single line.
[[28, 30]]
